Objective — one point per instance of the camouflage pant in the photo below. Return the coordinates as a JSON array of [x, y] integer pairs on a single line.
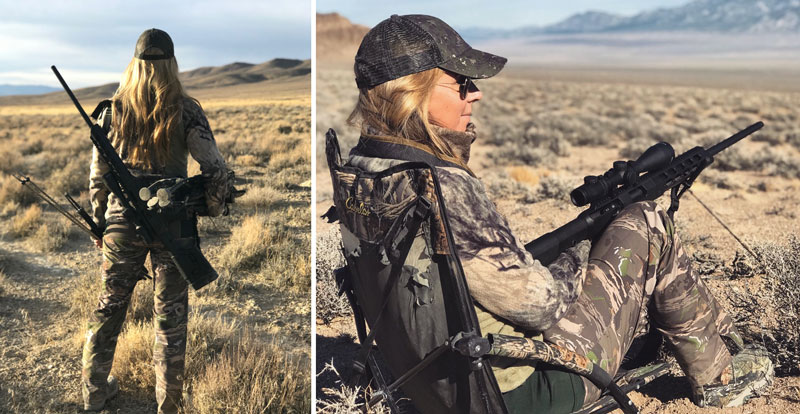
[[640, 274], [123, 265]]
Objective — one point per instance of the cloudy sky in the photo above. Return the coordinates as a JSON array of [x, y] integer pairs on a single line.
[[482, 13], [92, 41]]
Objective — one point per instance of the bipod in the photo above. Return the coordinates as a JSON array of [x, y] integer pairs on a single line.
[[84, 222]]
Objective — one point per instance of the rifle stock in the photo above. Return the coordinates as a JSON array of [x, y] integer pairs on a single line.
[[677, 176]]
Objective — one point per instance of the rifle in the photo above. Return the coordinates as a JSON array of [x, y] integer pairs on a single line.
[[623, 185], [150, 224]]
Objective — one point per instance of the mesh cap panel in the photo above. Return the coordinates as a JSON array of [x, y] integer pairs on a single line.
[[403, 45]]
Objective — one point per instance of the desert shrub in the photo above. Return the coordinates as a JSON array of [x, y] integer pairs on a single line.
[[734, 158], [769, 160], [554, 187], [343, 399], [51, 236], [636, 147], [527, 175], [499, 184], [249, 160], [3, 282], [26, 222], [269, 249], [775, 162], [329, 258], [32, 147], [260, 197], [770, 313], [504, 131], [531, 156], [249, 244], [792, 138], [72, 178], [11, 191], [718, 179], [559, 146], [769, 135], [10, 160]]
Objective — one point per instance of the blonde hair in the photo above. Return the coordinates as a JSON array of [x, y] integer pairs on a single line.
[[399, 108], [148, 106]]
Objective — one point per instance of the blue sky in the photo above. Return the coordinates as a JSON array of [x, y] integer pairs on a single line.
[[92, 41], [482, 13]]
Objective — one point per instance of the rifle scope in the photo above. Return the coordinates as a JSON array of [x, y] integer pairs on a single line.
[[596, 187]]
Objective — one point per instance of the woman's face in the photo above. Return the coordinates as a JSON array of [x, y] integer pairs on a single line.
[[446, 108]]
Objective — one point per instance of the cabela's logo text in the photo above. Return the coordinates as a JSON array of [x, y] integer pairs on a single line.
[[356, 207]]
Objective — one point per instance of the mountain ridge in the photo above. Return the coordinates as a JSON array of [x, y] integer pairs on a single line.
[[713, 16], [200, 78]]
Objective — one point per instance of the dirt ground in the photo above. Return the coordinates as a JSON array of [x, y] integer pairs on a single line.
[[756, 203]]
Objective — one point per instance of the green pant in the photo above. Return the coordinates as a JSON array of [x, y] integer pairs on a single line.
[[123, 265], [547, 390]]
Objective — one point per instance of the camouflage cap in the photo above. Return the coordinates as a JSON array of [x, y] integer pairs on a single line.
[[152, 39], [403, 45]]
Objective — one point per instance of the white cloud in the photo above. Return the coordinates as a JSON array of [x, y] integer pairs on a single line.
[[75, 79], [96, 37]]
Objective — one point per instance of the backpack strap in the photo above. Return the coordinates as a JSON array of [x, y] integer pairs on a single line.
[[102, 114]]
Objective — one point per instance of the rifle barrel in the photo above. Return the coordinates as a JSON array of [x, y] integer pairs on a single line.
[[735, 138], [72, 96]]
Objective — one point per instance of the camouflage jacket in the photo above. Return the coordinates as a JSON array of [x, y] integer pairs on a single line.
[[196, 139], [502, 276]]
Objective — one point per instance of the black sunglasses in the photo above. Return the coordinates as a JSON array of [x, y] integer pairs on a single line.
[[465, 85]]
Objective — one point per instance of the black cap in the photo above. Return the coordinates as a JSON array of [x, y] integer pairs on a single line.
[[154, 38], [402, 45]]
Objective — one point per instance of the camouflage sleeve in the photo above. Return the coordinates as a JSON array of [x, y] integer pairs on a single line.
[[502, 276], [203, 148], [98, 192]]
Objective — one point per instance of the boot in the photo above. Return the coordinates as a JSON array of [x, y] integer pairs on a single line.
[[112, 389], [750, 374]]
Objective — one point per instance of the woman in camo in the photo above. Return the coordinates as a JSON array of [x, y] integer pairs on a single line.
[[154, 125], [415, 76]]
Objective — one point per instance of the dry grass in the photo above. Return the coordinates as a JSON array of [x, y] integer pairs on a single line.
[[253, 377], [228, 368], [26, 222]]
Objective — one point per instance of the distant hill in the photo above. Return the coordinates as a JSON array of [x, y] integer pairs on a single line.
[[749, 16], [25, 89], [710, 16], [238, 73], [338, 38], [209, 77], [590, 21]]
